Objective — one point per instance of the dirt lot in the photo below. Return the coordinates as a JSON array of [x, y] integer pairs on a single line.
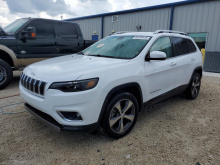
[[177, 131]]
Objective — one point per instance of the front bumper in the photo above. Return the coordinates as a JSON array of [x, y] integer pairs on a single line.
[[52, 123], [87, 103]]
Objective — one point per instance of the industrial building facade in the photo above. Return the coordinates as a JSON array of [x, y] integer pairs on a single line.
[[200, 19]]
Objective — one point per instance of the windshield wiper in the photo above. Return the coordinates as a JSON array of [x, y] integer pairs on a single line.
[[99, 55], [80, 53]]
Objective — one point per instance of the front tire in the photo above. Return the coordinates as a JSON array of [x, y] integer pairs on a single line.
[[194, 87], [120, 115], [6, 74]]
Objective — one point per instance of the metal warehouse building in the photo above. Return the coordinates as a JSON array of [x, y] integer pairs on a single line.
[[199, 18]]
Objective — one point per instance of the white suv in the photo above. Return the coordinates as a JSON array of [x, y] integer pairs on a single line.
[[107, 83]]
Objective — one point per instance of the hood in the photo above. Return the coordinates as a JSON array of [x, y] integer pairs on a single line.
[[70, 67]]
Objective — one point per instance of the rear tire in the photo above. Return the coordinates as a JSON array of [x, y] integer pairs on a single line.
[[193, 89], [6, 74], [120, 115]]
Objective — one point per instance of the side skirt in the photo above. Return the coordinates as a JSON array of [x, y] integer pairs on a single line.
[[173, 92]]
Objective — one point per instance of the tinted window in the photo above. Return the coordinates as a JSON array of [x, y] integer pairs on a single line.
[[163, 45], [191, 46], [67, 30], [180, 46], [43, 29]]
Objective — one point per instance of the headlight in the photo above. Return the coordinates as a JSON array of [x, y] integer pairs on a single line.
[[75, 86]]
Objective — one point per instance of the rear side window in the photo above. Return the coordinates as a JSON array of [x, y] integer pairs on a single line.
[[191, 46], [180, 46], [67, 30], [44, 29], [162, 44]]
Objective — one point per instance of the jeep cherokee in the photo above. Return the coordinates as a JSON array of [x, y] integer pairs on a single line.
[[107, 83]]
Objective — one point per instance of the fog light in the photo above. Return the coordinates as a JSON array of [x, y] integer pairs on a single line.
[[70, 116]]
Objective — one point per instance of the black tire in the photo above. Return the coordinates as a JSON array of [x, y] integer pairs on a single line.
[[6, 74], [193, 89], [118, 117]]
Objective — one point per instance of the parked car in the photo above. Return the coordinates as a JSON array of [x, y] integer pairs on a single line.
[[108, 83], [29, 40]]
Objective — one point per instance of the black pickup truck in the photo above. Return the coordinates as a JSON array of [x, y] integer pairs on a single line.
[[29, 40]]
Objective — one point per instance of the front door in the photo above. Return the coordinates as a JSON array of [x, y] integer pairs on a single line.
[[160, 75], [44, 46]]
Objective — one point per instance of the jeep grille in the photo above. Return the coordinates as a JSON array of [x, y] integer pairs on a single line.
[[33, 85]]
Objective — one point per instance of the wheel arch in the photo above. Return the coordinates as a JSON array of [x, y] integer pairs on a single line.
[[196, 70], [8, 56], [133, 88]]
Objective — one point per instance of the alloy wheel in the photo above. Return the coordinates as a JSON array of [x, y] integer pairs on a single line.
[[3, 75], [195, 86], [122, 116]]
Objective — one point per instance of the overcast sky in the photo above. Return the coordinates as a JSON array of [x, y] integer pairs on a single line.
[[54, 9]]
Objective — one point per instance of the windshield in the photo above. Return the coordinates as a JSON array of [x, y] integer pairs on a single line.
[[126, 47], [14, 26]]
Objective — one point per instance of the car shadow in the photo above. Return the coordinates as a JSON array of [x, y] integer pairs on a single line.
[[73, 138]]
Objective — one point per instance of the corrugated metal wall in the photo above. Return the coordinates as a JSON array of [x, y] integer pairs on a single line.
[[192, 18], [212, 62], [88, 26], [150, 20], [200, 17]]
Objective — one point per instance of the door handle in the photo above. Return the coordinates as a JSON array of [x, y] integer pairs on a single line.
[[172, 63]]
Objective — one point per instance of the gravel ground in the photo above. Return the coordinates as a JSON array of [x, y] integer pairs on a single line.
[[177, 131]]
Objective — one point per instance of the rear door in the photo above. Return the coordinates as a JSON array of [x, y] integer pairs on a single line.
[[160, 75], [183, 52], [68, 38]]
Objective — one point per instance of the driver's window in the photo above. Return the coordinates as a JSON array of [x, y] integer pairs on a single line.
[[44, 29], [163, 44]]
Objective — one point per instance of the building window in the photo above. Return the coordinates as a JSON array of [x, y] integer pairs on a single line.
[[199, 38], [114, 18]]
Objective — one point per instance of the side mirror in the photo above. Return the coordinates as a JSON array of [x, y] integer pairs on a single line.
[[156, 55], [29, 33]]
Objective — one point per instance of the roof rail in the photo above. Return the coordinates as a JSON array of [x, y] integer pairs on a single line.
[[170, 31], [120, 32]]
